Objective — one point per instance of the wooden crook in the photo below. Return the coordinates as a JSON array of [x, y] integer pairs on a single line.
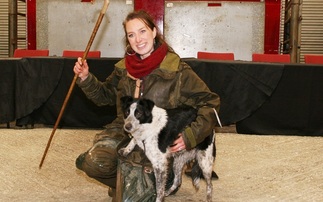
[[97, 25]]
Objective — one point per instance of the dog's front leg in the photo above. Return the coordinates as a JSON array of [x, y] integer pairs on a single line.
[[126, 150]]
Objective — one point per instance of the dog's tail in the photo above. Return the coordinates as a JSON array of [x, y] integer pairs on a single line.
[[196, 174]]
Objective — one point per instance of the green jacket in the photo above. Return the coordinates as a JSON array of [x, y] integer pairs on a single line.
[[171, 85]]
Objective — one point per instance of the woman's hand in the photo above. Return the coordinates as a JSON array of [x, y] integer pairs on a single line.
[[81, 69], [178, 144]]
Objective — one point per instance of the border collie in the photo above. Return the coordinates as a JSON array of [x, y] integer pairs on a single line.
[[154, 129]]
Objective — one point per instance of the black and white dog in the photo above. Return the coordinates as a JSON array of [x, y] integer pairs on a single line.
[[154, 129]]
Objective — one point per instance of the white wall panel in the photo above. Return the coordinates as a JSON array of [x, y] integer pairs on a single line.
[[236, 27], [69, 24]]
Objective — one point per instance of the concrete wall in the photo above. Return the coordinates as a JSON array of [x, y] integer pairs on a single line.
[[63, 24], [232, 27], [189, 27]]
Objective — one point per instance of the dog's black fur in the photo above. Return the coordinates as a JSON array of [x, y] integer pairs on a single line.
[[154, 130]]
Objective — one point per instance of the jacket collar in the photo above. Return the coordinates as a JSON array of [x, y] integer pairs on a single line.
[[168, 66]]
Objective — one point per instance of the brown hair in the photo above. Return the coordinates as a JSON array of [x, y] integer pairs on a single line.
[[148, 20]]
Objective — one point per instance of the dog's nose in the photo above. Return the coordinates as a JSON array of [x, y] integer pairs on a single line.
[[128, 126]]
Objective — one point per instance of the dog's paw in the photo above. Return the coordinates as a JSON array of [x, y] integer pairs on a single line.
[[123, 152], [168, 192]]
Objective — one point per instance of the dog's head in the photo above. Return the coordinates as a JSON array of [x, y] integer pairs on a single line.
[[136, 112]]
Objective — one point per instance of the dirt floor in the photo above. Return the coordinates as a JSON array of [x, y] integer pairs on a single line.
[[250, 167]]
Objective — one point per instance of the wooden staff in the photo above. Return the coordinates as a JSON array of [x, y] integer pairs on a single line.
[[97, 25]]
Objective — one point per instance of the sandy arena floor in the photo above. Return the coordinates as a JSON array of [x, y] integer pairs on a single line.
[[250, 167]]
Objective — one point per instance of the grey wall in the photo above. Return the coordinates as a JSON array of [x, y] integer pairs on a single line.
[[189, 27], [63, 24], [232, 27]]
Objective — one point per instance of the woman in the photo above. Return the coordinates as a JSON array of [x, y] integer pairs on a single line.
[[150, 69]]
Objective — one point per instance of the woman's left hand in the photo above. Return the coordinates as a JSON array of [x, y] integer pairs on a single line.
[[178, 144]]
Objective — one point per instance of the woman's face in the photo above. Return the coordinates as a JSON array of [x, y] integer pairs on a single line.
[[140, 37]]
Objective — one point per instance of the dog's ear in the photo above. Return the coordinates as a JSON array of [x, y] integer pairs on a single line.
[[126, 101], [146, 106], [149, 104]]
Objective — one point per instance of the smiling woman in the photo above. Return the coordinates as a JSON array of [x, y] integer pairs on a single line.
[[150, 69], [140, 37], [140, 33]]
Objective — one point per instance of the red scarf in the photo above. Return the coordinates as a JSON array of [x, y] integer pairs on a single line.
[[140, 68]]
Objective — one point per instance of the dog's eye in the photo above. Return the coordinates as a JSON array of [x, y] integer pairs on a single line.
[[138, 114], [126, 113]]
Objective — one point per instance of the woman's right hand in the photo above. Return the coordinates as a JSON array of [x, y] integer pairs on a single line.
[[81, 69]]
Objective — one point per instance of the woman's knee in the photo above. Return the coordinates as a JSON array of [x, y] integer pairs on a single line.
[[98, 162]]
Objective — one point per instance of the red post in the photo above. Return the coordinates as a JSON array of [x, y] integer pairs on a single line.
[[272, 25], [31, 24], [156, 8]]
